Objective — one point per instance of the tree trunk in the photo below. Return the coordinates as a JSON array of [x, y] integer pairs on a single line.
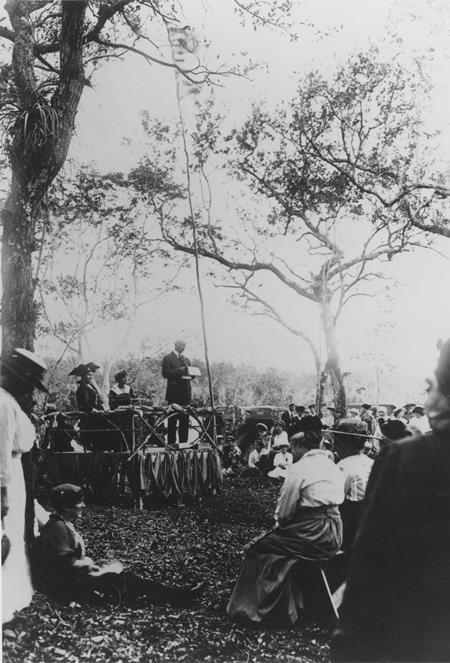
[[333, 363], [19, 310], [321, 384], [38, 142]]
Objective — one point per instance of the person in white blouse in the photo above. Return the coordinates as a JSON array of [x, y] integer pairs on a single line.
[[356, 466], [22, 372], [279, 436], [308, 527], [282, 460]]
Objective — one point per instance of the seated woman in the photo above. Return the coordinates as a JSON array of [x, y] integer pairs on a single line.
[[231, 455], [349, 440], [308, 527], [120, 393], [278, 435], [282, 460], [63, 565], [253, 459]]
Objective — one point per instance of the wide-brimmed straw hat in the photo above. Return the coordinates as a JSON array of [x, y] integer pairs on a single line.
[[27, 366]]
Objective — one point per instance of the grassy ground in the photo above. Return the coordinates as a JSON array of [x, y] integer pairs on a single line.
[[198, 542]]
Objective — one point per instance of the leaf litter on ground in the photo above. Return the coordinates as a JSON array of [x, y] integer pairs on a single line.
[[202, 541]]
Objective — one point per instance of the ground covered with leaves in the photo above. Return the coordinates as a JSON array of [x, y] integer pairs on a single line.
[[201, 541]]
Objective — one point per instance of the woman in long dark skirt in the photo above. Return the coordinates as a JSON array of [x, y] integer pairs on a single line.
[[308, 527]]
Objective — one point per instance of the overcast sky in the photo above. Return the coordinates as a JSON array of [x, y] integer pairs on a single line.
[[419, 313]]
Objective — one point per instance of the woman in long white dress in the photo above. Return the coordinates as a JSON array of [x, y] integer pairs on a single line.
[[22, 372]]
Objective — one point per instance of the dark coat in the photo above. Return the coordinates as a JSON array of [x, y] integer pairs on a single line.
[[120, 399], [173, 370], [288, 420], [88, 398], [397, 602]]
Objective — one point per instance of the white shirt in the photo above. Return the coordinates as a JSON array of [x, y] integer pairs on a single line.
[[281, 438], [283, 458], [312, 481], [253, 458], [419, 425], [356, 470], [17, 434], [121, 390]]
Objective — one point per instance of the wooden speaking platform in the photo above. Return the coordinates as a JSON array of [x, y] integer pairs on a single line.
[[126, 449]]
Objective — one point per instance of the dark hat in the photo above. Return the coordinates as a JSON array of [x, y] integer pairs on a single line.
[[82, 369], [79, 370], [66, 495], [394, 429], [121, 374], [309, 423], [27, 366], [443, 368], [354, 432], [365, 406]]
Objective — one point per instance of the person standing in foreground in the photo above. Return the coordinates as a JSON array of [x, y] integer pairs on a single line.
[[175, 371], [22, 372], [397, 603]]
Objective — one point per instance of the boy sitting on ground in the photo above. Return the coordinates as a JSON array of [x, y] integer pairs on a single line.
[[64, 566]]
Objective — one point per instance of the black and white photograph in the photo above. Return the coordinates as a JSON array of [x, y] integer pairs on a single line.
[[225, 338]]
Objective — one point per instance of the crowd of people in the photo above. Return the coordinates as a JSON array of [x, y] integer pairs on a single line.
[[372, 486], [266, 450]]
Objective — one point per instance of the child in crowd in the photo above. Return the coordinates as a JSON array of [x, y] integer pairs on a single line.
[[231, 455], [282, 461]]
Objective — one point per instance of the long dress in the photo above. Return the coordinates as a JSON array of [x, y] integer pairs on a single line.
[[309, 528], [17, 435]]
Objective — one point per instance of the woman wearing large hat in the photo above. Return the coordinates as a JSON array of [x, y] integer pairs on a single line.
[[88, 394], [22, 372]]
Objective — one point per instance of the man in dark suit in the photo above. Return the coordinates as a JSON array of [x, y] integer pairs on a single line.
[[288, 417], [397, 603], [175, 371]]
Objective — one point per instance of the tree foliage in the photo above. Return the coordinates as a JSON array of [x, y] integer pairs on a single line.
[[52, 48], [101, 262], [336, 169]]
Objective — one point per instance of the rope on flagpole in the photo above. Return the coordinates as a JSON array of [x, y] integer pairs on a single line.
[[194, 233]]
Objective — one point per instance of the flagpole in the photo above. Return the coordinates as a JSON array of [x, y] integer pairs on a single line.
[[193, 223]]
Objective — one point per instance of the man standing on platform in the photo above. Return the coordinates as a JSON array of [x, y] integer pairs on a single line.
[[175, 371]]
